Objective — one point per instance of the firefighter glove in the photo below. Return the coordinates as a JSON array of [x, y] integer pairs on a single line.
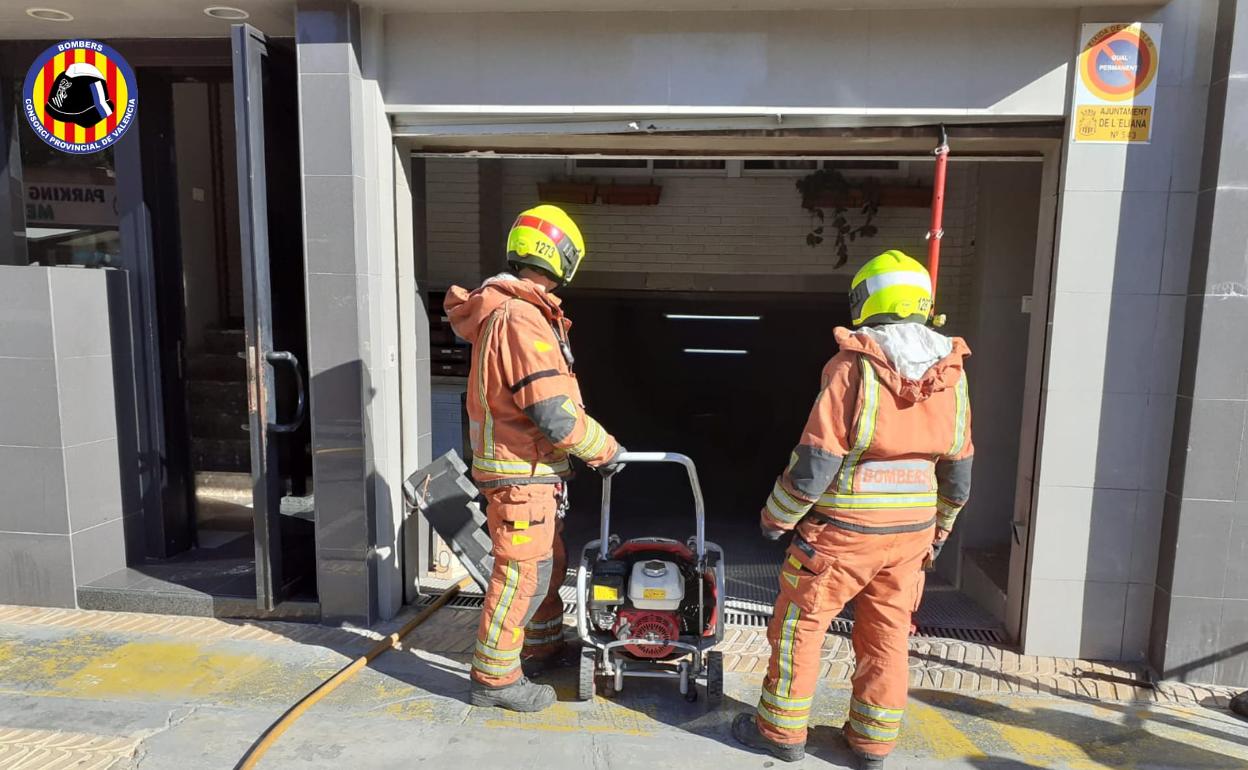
[[612, 466], [771, 533]]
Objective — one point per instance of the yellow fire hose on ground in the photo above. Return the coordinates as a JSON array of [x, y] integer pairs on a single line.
[[275, 731]]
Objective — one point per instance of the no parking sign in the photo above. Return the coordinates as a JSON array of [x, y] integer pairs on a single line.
[[1116, 86]]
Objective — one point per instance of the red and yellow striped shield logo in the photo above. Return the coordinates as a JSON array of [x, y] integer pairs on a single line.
[[80, 96]]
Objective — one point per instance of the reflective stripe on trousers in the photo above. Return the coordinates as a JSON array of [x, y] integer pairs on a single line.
[[881, 573]]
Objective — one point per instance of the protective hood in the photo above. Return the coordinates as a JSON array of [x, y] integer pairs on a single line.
[[912, 360], [469, 310]]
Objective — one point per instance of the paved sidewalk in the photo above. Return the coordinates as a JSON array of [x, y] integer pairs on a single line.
[[105, 690]]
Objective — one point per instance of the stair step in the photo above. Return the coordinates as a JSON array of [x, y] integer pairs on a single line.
[[208, 422], [225, 341], [218, 367], [217, 396], [209, 454]]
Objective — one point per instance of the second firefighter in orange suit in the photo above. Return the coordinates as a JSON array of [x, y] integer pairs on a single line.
[[526, 424], [872, 489]]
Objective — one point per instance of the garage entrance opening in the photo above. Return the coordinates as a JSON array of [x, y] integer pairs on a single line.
[[704, 314]]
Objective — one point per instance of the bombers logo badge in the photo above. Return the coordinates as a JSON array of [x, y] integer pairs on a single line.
[[80, 96]]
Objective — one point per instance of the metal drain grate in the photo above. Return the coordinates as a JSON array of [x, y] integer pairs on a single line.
[[943, 614], [843, 627]]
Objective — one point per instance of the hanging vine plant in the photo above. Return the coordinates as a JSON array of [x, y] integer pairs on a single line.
[[841, 210]]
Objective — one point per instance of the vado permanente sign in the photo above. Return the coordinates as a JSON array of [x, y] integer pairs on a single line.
[[1116, 87]]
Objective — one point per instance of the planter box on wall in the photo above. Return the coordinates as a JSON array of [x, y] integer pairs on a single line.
[[567, 192], [890, 197], [630, 194]]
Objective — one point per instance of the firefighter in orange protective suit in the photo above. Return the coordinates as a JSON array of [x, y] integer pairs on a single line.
[[872, 489], [526, 422]]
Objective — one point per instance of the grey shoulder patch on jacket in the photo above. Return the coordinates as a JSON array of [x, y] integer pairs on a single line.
[[552, 419], [953, 479], [813, 469]]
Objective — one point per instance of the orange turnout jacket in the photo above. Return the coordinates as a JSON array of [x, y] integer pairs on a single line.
[[879, 451], [524, 403]]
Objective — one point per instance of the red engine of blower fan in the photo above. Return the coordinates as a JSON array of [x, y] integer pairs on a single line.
[[652, 629]]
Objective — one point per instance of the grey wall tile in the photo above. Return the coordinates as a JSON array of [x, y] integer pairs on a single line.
[[1063, 528], [1157, 422], [1192, 631], [1201, 31], [1128, 353], [1227, 269], [32, 488], [1167, 349], [80, 313], [1222, 357], [1120, 450], [1137, 622], [36, 570], [32, 417], [99, 551], [1140, 242], [1236, 581], [1215, 118], [1180, 229], [25, 312], [344, 588], [1079, 333], [332, 144], [1189, 147], [1233, 163], [1175, 18], [329, 231], [1233, 636], [88, 411], [1104, 615], [1201, 546], [1111, 241], [1069, 450], [342, 523], [1054, 623], [1109, 553], [1211, 463], [328, 21], [93, 480], [328, 58], [334, 313], [1146, 537]]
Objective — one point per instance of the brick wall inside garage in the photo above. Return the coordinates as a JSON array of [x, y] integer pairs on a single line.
[[703, 224]]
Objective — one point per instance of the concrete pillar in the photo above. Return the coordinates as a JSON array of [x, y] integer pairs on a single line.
[[353, 235], [1116, 328], [70, 513], [1201, 610]]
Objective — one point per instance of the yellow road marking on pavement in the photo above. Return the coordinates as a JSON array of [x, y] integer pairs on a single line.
[[47, 750], [945, 740], [1045, 747], [140, 668]]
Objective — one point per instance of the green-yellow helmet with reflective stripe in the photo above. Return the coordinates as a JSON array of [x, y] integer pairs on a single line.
[[891, 288], [546, 238]]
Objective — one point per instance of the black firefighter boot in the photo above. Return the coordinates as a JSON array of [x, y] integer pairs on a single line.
[[1239, 704], [521, 695], [865, 761], [745, 730]]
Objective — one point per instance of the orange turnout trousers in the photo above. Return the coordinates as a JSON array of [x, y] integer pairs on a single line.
[[523, 614], [526, 422], [882, 462]]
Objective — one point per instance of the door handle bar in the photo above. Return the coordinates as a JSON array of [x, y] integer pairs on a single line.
[[288, 358]]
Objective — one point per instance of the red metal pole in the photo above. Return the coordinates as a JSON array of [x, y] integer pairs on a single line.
[[936, 232]]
